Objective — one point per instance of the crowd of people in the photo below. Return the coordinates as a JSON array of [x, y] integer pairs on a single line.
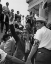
[[24, 44], [17, 37]]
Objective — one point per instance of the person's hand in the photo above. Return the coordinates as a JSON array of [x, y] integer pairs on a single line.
[[2, 55]]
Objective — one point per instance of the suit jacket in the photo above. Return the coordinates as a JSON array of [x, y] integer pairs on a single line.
[[0, 8], [7, 19], [20, 50], [1, 12]]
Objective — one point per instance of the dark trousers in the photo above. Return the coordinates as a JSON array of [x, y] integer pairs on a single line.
[[43, 56], [2, 25], [2, 21], [19, 54], [7, 23], [7, 27]]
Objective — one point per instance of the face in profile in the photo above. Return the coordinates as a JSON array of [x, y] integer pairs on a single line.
[[27, 25]]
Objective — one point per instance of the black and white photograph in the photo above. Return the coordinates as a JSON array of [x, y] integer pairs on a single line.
[[25, 31]]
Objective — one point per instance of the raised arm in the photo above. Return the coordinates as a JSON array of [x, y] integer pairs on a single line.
[[14, 33], [13, 30]]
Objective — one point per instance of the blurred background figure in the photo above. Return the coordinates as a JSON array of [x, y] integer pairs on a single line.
[[12, 15], [1, 17], [23, 21], [18, 16], [6, 16]]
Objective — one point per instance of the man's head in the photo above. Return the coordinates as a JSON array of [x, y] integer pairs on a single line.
[[25, 34], [7, 4], [40, 22], [17, 12], [27, 25], [5, 37], [12, 10]]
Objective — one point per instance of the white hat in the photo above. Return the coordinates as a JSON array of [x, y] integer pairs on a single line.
[[41, 19]]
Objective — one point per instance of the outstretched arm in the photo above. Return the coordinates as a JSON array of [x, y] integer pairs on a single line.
[[13, 30], [14, 33], [33, 50]]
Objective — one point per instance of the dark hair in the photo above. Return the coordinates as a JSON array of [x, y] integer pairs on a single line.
[[18, 12], [5, 36], [41, 21], [17, 26]]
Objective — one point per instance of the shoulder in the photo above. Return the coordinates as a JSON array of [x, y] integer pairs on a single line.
[[42, 30], [39, 34], [39, 31], [8, 43]]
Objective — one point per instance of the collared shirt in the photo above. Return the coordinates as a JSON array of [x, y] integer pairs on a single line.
[[9, 47], [3, 55], [2, 45], [44, 36]]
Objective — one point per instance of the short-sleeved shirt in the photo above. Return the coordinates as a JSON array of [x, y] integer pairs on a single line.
[[3, 55], [44, 36]]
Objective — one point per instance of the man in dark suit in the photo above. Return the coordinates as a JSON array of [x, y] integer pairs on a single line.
[[1, 17], [17, 17], [0, 6], [20, 48], [6, 13]]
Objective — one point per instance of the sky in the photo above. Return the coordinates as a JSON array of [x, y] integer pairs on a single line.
[[17, 5]]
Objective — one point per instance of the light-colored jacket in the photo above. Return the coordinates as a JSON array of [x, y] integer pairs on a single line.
[[9, 47]]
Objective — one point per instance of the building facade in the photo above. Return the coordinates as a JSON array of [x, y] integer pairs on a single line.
[[37, 7]]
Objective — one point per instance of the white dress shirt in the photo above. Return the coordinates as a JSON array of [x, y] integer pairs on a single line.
[[44, 36]]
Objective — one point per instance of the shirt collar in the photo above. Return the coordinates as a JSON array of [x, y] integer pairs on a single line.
[[43, 27]]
